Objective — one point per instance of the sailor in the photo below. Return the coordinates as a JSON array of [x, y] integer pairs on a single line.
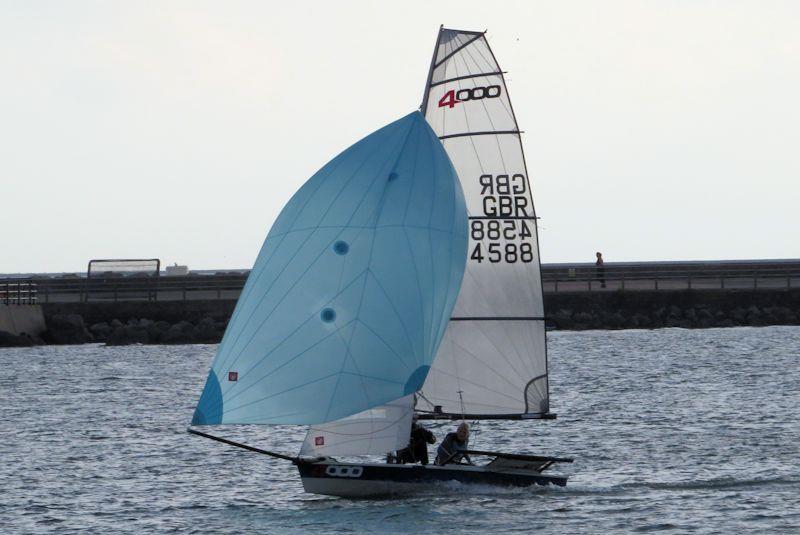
[[451, 448], [417, 449]]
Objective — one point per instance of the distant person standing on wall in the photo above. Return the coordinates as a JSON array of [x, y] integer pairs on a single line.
[[600, 269]]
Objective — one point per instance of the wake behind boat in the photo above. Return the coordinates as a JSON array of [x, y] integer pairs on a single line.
[[402, 278]]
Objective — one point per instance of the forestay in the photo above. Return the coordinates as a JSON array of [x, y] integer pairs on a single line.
[[494, 353], [371, 432], [350, 295]]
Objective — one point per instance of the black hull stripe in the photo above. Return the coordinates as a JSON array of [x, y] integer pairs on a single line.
[[420, 474]]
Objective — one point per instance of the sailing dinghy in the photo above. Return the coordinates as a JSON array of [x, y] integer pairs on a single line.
[[402, 277]]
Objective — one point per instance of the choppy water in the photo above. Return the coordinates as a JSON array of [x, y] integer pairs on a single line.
[[673, 430]]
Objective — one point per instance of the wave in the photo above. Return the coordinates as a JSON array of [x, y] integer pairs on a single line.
[[709, 484]]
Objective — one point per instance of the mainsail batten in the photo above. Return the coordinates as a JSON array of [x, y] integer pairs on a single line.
[[351, 293], [493, 360]]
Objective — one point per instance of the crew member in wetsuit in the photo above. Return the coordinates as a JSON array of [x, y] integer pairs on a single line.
[[417, 449], [451, 448]]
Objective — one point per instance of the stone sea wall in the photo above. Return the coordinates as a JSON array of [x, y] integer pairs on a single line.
[[690, 309], [137, 322], [186, 322]]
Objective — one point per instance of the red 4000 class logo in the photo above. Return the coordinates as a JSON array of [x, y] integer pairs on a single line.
[[453, 97]]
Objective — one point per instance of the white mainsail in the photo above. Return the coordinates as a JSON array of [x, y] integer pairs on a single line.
[[493, 359]]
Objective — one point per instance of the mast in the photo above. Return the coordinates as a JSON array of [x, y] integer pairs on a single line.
[[494, 350], [426, 93]]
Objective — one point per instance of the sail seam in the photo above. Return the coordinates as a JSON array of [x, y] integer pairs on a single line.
[[238, 354], [456, 51], [377, 214]]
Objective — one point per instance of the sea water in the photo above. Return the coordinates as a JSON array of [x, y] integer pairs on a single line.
[[672, 430]]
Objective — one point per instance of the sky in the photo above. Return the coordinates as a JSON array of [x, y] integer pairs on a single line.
[[662, 130]]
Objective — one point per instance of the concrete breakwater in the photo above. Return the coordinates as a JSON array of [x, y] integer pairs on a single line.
[[689, 309], [142, 322], [204, 321]]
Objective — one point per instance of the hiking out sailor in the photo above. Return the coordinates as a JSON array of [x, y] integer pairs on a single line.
[[417, 449], [454, 444]]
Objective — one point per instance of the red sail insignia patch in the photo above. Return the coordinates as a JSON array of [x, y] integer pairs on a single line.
[[233, 376]]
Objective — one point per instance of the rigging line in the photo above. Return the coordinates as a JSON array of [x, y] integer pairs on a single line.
[[314, 261], [478, 75], [422, 395], [483, 133]]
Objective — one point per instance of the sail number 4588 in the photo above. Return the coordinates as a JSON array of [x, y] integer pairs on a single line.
[[495, 242], [453, 97], [498, 252]]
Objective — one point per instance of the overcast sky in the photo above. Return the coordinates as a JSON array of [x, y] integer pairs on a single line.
[[654, 130]]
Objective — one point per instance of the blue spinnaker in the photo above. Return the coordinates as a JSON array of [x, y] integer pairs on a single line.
[[353, 288]]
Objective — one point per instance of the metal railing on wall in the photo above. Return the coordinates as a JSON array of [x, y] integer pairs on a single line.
[[140, 288], [555, 278], [669, 278], [18, 292]]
